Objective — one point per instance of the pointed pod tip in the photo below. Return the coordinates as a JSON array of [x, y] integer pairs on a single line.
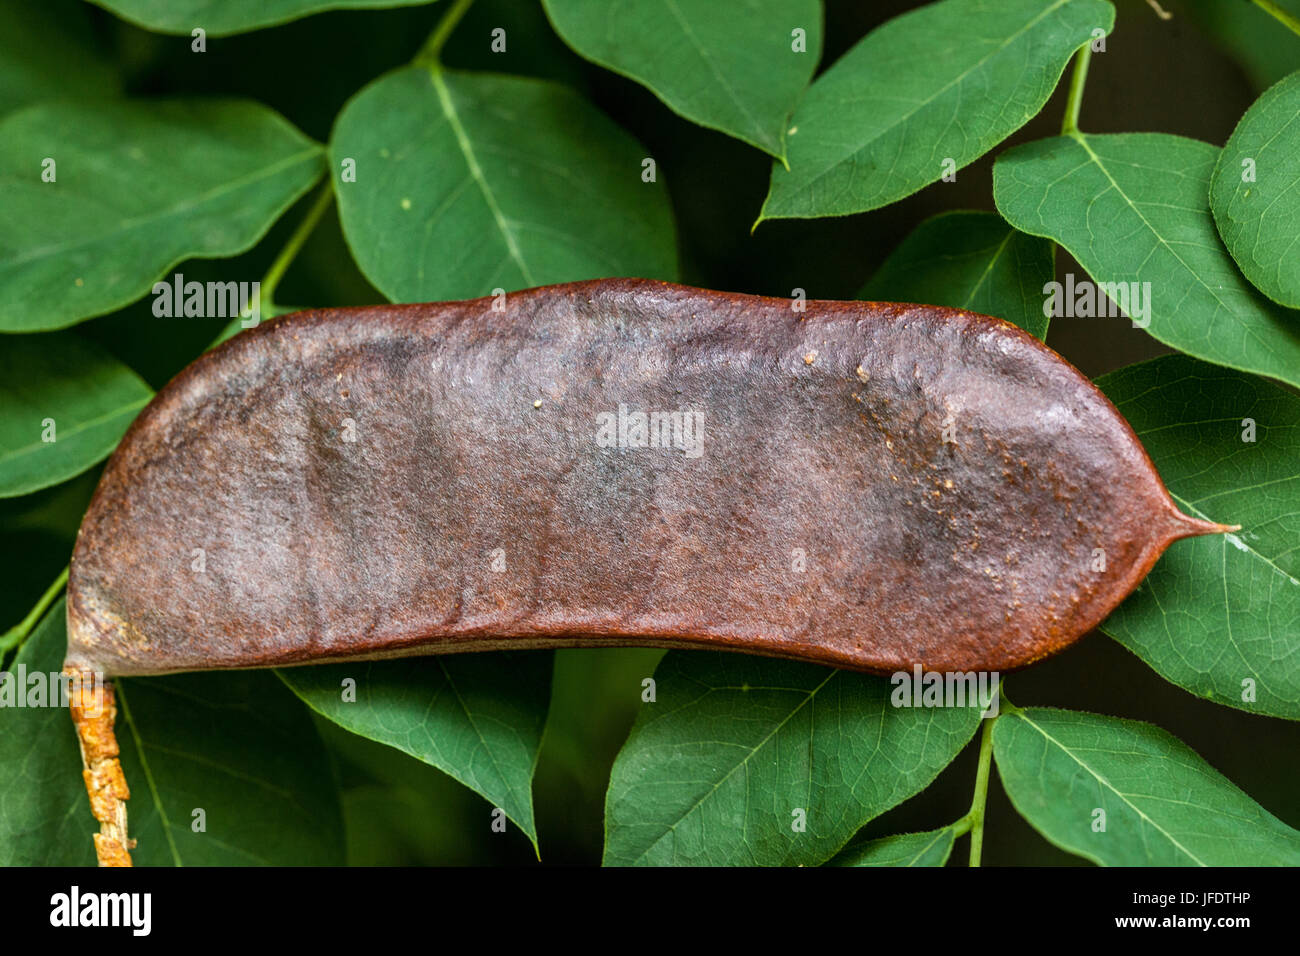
[[1185, 526]]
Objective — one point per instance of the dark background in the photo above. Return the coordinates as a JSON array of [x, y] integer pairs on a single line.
[[1193, 75]]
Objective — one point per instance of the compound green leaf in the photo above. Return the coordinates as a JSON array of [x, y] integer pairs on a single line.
[[1219, 616], [732, 65], [470, 182], [1125, 793], [925, 94], [1255, 193], [750, 761], [931, 848], [1133, 209], [476, 717], [99, 200], [969, 260], [64, 403], [224, 17]]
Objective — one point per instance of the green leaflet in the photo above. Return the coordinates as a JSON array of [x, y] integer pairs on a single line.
[[138, 187], [1163, 804], [1218, 615], [235, 745], [223, 17], [731, 66], [62, 387], [931, 848], [38, 41], [1255, 193], [738, 751], [477, 717], [969, 260], [946, 82], [469, 182], [1134, 208]]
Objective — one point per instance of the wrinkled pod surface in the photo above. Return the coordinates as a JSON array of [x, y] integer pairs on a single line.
[[860, 484]]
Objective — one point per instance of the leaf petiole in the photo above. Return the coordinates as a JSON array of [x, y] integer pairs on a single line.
[[271, 281], [1070, 124], [431, 51], [974, 819], [266, 307]]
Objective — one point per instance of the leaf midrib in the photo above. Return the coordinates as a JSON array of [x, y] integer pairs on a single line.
[[755, 126], [148, 775], [1201, 514], [131, 224], [1110, 786], [77, 429], [505, 778], [906, 117], [988, 269], [810, 694], [938, 835], [471, 161], [1096, 160]]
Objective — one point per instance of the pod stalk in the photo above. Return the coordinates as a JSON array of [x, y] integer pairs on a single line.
[[94, 710]]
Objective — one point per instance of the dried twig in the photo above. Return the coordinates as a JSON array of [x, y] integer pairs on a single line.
[[94, 709]]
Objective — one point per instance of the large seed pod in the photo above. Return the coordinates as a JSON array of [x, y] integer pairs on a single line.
[[867, 485]]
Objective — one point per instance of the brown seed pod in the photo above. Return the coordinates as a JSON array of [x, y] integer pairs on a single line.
[[860, 484]]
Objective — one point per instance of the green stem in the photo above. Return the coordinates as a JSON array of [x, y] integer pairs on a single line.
[[1070, 124], [1289, 20], [266, 307], [975, 816], [432, 50], [271, 281], [14, 637]]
